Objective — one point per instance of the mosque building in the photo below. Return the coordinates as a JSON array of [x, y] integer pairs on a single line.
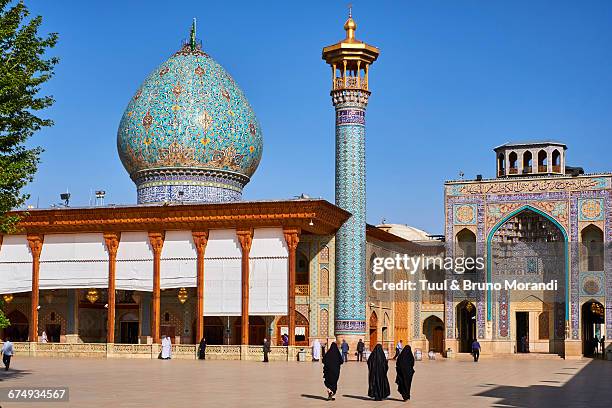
[[191, 259]]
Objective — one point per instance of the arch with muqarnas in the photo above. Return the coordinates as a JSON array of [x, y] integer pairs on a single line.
[[501, 222]]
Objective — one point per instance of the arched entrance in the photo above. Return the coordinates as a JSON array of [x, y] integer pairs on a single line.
[[373, 330], [466, 323], [301, 329], [19, 328], [433, 328], [528, 245], [257, 330], [128, 328], [592, 316]]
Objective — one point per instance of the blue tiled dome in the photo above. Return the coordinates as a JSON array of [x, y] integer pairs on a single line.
[[189, 133]]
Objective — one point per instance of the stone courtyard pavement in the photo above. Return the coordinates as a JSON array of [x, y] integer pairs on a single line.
[[187, 383]]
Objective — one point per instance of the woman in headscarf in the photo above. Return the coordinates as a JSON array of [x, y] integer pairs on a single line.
[[377, 374], [316, 350], [332, 360], [202, 349], [405, 371]]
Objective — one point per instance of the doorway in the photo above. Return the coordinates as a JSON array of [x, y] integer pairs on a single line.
[[213, 330], [466, 316], [129, 332], [19, 328], [128, 328], [522, 332], [433, 328], [373, 330], [592, 326]]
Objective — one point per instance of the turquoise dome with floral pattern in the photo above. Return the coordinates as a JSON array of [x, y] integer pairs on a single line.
[[189, 133]]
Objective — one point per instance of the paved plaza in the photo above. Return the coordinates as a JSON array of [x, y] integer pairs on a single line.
[[187, 383]]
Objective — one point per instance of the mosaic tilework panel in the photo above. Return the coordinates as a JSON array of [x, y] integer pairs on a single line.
[[590, 209], [465, 214], [592, 199], [189, 112], [477, 206], [592, 284], [350, 310]]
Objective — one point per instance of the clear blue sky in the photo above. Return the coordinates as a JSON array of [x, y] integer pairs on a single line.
[[454, 79]]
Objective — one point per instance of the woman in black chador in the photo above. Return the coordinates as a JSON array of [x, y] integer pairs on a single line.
[[202, 349], [332, 360], [377, 374], [405, 371]]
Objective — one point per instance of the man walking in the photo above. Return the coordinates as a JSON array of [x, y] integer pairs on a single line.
[[360, 348], [7, 353], [476, 350], [345, 349]]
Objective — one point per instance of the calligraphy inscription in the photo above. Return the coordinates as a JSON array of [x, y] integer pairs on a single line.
[[530, 186]]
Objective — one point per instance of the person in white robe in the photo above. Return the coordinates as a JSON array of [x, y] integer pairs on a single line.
[[316, 350], [166, 344], [44, 338]]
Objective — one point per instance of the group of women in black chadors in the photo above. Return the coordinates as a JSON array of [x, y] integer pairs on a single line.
[[378, 383]]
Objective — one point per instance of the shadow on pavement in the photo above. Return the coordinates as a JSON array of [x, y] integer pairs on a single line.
[[591, 387], [317, 397], [12, 374]]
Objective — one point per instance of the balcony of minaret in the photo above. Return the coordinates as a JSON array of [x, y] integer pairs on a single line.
[[350, 76]]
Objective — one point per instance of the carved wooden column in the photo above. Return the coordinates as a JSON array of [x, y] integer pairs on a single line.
[[157, 242], [200, 239], [292, 238], [36, 243], [112, 245], [245, 237]]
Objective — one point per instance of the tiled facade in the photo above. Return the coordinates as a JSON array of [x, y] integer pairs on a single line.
[[572, 203]]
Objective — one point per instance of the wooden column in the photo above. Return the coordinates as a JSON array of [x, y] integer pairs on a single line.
[[292, 238], [112, 245], [200, 239], [157, 242], [35, 242], [245, 236]]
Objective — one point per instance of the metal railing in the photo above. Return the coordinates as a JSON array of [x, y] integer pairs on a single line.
[[350, 82]]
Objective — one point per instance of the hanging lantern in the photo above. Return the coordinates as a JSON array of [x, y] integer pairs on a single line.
[[597, 309], [182, 295], [92, 295], [48, 296], [136, 297], [469, 307], [8, 298]]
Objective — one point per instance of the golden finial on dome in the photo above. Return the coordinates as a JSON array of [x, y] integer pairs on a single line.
[[350, 26]]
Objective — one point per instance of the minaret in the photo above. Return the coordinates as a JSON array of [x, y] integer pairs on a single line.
[[350, 60]]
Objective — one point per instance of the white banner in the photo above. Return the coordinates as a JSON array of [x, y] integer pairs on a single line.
[[268, 270], [134, 269], [15, 265], [178, 261], [73, 261]]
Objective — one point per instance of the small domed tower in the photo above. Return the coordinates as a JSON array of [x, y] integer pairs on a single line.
[[350, 60], [189, 134]]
